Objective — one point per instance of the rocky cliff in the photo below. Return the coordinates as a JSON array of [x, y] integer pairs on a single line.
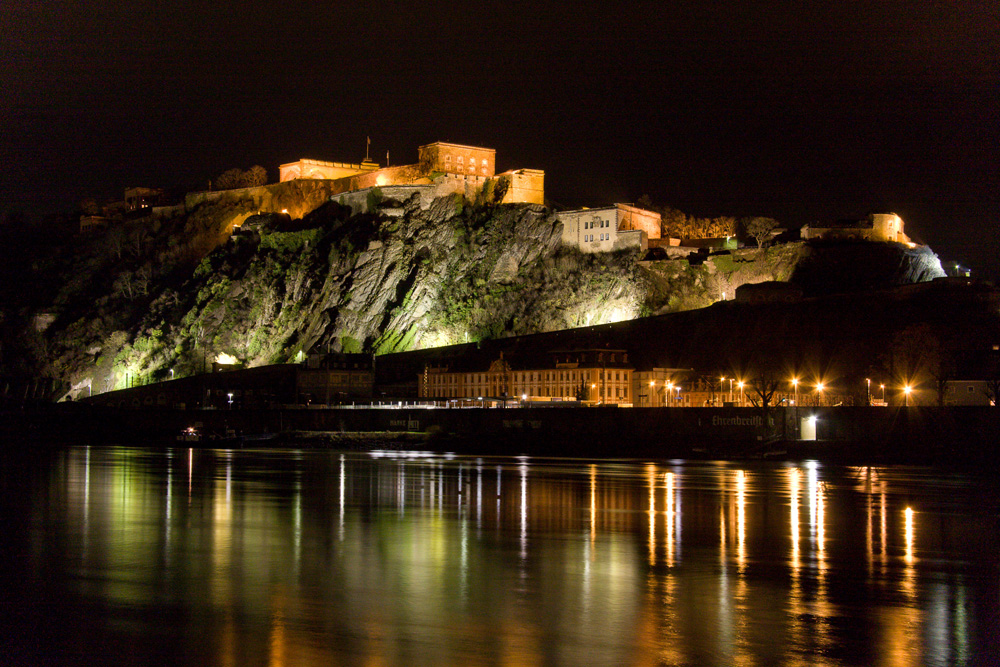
[[402, 276]]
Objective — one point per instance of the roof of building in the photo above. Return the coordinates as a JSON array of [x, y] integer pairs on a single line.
[[451, 145]]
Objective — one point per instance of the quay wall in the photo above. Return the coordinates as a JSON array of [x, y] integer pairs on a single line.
[[916, 434]]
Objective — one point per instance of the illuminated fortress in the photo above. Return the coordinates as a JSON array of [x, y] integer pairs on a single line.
[[445, 168], [448, 168]]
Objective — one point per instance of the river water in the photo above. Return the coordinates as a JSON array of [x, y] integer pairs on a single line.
[[131, 556]]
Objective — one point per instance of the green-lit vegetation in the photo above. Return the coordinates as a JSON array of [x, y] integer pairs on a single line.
[[131, 302]]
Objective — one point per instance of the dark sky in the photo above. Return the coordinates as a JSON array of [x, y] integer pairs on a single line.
[[804, 111]]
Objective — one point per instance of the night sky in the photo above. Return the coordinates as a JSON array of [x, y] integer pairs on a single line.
[[805, 112]]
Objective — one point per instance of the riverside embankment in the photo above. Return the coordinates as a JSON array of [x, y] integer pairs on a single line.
[[924, 435]]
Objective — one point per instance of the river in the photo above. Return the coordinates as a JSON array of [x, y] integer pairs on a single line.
[[135, 556]]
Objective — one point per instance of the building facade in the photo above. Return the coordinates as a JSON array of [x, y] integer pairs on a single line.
[[884, 227], [593, 377], [450, 168], [610, 228], [306, 168], [458, 159], [524, 186]]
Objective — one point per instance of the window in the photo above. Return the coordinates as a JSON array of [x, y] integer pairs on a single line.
[[472, 161], [460, 160], [484, 171], [447, 158]]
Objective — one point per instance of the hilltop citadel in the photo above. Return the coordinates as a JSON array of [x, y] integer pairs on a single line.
[[444, 169]]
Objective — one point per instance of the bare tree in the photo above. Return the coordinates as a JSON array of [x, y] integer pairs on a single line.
[[143, 276], [229, 179], [125, 285], [255, 176], [917, 353], [760, 229], [117, 238], [137, 240]]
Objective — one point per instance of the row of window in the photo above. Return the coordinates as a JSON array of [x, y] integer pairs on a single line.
[[561, 392], [531, 376], [461, 160], [596, 223], [590, 237]]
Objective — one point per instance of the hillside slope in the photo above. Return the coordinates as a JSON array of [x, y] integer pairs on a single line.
[[398, 278]]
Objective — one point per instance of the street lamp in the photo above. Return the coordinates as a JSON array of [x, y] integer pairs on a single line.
[[668, 387], [906, 395], [868, 391], [740, 385], [230, 400], [882, 387], [795, 387], [171, 373], [731, 390], [819, 393]]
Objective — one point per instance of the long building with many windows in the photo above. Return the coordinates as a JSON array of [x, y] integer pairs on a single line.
[[594, 377]]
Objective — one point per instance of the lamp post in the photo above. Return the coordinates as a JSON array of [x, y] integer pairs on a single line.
[[731, 390], [882, 387], [740, 385], [906, 395], [171, 373], [819, 394], [795, 387], [230, 394], [868, 391], [667, 389]]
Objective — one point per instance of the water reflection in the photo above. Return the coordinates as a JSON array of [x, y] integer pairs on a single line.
[[311, 558]]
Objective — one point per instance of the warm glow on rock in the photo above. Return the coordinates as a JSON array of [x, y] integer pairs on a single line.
[[226, 359]]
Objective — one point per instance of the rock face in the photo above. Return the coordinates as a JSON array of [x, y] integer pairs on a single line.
[[402, 276]]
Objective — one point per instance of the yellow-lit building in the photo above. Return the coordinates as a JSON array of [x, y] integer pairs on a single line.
[[449, 167], [589, 376], [609, 228], [458, 159], [306, 168], [885, 227]]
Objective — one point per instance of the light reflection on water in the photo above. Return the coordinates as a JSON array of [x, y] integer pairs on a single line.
[[296, 558]]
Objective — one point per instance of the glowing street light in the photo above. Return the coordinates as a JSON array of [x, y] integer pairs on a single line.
[[868, 391], [882, 387], [795, 386], [740, 385], [819, 393], [230, 394], [171, 373], [906, 395]]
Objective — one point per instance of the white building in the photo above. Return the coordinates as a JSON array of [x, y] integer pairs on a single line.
[[610, 228]]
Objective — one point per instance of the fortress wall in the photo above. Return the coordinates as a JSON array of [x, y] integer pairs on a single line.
[[635, 239], [631, 217], [527, 186]]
